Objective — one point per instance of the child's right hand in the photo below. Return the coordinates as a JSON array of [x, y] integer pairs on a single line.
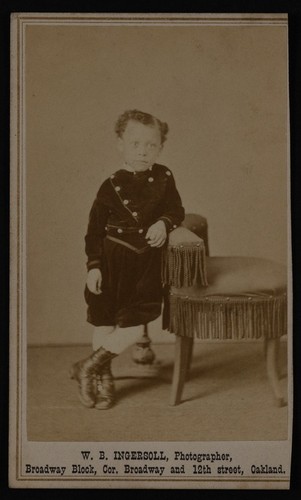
[[94, 281]]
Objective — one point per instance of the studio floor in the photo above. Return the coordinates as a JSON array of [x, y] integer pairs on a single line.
[[226, 398]]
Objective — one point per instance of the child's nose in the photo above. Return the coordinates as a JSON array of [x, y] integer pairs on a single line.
[[143, 150]]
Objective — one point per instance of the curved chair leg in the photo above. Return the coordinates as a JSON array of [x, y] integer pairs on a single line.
[[183, 351], [272, 348], [276, 353], [189, 358]]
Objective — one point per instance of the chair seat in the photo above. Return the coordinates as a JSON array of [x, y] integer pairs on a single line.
[[239, 276], [246, 298]]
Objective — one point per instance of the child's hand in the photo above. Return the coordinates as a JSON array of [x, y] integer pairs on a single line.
[[94, 281], [156, 234]]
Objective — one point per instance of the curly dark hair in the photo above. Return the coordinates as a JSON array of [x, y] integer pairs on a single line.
[[140, 116]]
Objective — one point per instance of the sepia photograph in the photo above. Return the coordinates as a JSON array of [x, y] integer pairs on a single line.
[[151, 324]]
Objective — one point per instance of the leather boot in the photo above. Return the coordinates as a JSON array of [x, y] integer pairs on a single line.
[[105, 397], [86, 371]]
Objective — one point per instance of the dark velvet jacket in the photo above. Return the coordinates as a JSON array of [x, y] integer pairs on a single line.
[[127, 204]]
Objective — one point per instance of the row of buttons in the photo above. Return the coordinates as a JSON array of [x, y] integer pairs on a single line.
[[119, 230], [126, 202]]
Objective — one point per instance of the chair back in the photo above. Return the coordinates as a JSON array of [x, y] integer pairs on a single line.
[[198, 225]]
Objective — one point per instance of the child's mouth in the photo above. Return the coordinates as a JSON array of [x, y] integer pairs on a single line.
[[141, 162]]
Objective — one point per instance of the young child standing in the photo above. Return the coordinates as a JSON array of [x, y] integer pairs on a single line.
[[130, 219]]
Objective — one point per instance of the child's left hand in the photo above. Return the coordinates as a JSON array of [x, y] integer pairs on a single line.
[[156, 234]]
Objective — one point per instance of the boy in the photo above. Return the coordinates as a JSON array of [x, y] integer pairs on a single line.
[[129, 221]]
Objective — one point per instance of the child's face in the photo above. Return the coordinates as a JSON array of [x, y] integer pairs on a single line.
[[140, 145]]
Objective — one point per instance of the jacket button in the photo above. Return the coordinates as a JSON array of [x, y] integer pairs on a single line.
[[150, 179], [125, 202], [117, 188], [119, 230], [140, 231], [135, 214], [168, 172]]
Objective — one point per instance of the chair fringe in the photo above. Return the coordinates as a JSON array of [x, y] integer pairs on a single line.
[[249, 317], [184, 265]]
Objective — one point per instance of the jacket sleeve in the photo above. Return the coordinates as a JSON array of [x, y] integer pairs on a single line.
[[95, 233], [173, 213]]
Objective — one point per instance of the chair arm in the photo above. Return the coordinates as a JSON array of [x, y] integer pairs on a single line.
[[184, 260]]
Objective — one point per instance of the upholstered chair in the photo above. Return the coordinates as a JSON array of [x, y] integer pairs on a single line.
[[221, 298]]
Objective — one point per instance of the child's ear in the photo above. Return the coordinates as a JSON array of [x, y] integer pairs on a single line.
[[120, 144]]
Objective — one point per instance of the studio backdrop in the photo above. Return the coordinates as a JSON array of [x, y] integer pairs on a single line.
[[223, 92]]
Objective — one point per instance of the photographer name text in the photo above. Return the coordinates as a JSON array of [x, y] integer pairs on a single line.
[[155, 463]]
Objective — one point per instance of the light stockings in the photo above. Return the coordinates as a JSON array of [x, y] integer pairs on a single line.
[[115, 339]]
